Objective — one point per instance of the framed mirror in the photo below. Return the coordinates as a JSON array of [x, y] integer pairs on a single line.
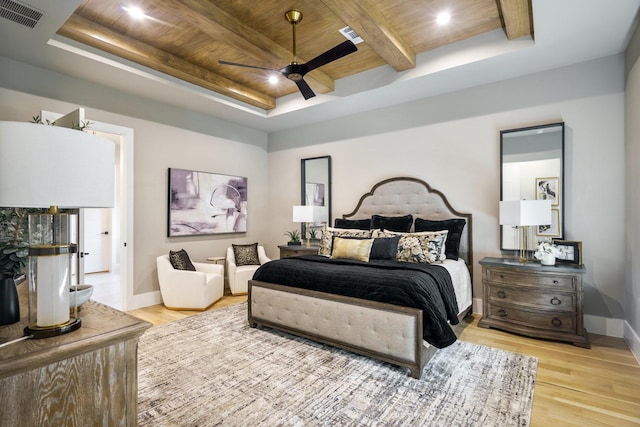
[[316, 191], [532, 168]]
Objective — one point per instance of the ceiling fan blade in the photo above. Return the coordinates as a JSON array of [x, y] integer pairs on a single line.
[[304, 89], [245, 65], [343, 49]]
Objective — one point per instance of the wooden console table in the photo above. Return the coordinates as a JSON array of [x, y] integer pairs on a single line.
[[83, 378]]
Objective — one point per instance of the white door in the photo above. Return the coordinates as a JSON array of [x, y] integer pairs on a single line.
[[97, 234]]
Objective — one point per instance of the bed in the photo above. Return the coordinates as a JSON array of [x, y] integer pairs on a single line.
[[393, 328]]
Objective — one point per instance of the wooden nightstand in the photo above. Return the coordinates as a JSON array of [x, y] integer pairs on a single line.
[[534, 300], [297, 250]]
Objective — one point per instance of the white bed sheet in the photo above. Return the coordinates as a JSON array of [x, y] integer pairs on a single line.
[[461, 282]]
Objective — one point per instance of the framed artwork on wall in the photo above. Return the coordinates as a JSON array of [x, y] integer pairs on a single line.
[[203, 203], [568, 251], [548, 189], [550, 230]]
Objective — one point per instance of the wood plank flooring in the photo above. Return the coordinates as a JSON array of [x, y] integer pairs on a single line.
[[574, 386]]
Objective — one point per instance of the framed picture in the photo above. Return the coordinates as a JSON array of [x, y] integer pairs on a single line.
[[206, 203], [553, 229], [569, 251], [547, 189]]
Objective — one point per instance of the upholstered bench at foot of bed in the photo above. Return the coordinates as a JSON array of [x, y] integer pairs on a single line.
[[383, 331]]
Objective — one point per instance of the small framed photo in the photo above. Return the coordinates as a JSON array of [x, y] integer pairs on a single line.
[[547, 189], [569, 251], [550, 230]]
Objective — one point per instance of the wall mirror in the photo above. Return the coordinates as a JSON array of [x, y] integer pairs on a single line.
[[316, 191], [532, 168]]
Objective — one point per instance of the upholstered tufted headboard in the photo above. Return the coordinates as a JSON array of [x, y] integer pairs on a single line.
[[404, 195]]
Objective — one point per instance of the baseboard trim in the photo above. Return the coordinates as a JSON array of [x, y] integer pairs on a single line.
[[143, 300], [633, 340]]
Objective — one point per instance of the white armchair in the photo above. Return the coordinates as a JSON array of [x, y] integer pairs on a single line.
[[190, 290], [239, 276]]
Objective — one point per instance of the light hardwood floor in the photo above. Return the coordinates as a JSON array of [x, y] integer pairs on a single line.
[[574, 386]]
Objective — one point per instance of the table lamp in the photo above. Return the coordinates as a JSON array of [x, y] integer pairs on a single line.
[[522, 214], [52, 167], [307, 215]]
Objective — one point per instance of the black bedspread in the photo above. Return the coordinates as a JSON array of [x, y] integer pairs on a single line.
[[424, 286]]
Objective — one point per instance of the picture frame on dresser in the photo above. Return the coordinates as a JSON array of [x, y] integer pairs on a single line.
[[569, 251]]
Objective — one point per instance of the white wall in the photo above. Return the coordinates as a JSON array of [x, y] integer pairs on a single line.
[[632, 192], [157, 147], [452, 142]]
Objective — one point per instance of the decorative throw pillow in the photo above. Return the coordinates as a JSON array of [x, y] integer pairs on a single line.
[[246, 254], [392, 223], [425, 247], [355, 224], [346, 248], [180, 260], [326, 242], [454, 226], [384, 248]]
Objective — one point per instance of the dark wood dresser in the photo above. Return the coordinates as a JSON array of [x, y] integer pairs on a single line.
[[87, 377], [297, 250], [534, 300]]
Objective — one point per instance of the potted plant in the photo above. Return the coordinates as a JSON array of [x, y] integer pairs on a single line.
[[294, 237], [14, 253]]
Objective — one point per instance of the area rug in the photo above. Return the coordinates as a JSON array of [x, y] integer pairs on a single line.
[[213, 369]]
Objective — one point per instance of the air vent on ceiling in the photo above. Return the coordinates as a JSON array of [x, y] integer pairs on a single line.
[[20, 13], [351, 35]]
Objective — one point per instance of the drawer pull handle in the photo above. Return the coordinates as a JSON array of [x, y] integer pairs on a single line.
[[502, 313], [502, 294], [556, 301], [555, 282], [502, 277], [556, 322]]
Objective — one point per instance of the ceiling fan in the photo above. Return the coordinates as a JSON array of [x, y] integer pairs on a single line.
[[295, 71]]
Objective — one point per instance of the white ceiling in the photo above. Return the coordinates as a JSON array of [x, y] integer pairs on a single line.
[[567, 32]]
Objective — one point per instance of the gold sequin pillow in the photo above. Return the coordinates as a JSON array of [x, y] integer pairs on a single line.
[[357, 249]]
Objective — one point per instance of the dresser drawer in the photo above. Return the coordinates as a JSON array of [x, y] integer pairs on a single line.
[[552, 321], [510, 277], [547, 298]]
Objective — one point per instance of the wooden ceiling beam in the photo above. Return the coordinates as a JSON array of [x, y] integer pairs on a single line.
[[87, 32], [365, 19], [517, 17], [220, 25]]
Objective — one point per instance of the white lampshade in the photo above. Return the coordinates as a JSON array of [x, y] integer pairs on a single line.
[[43, 166], [310, 214], [525, 212]]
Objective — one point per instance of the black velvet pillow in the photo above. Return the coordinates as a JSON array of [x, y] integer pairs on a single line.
[[180, 260], [455, 227], [384, 248], [401, 224], [354, 224], [246, 254]]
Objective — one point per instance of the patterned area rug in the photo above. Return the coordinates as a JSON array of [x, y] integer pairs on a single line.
[[213, 369]]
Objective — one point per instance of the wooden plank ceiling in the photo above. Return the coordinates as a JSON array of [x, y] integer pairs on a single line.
[[186, 38]]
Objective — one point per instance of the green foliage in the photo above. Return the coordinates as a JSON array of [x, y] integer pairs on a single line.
[[82, 126], [294, 235], [14, 244]]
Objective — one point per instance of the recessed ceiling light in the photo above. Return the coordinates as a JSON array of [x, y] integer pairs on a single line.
[[443, 18], [135, 12], [273, 79]]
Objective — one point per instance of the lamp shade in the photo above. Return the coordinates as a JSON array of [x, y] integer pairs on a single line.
[[43, 166], [309, 214], [525, 212]]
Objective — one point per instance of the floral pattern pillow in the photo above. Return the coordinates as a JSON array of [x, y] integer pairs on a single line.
[[326, 242], [424, 247]]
